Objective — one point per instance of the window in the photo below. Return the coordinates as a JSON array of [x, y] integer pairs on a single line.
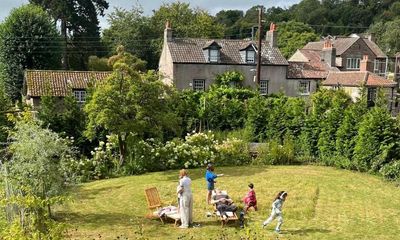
[[304, 87], [80, 96], [353, 63], [214, 55], [264, 87], [250, 56], [199, 84], [371, 96]]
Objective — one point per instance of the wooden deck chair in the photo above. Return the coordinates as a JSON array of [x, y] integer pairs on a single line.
[[154, 204], [231, 216]]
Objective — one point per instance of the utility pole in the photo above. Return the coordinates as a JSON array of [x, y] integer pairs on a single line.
[[260, 12]]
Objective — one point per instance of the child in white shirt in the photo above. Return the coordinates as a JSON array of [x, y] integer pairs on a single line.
[[276, 211]]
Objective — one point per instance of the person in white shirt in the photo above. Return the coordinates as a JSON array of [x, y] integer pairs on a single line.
[[186, 199], [276, 211]]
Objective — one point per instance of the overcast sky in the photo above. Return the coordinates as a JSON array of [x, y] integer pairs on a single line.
[[213, 6]]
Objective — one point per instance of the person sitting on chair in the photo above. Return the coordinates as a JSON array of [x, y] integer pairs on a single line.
[[223, 203]]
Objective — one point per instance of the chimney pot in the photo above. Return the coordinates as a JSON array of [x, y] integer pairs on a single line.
[[168, 32], [272, 35]]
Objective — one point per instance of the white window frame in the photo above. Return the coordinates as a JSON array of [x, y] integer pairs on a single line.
[[213, 55], [353, 63], [80, 96], [304, 87], [264, 84], [250, 56], [199, 84]]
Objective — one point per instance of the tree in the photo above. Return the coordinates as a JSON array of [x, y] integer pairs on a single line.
[[129, 104], [98, 64], [4, 106], [79, 28], [28, 40], [293, 36], [387, 34], [134, 31]]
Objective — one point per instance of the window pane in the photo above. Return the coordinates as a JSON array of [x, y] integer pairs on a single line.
[[264, 86], [213, 55], [198, 84], [304, 87], [250, 56]]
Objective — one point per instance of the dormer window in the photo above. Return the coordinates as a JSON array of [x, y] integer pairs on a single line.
[[212, 52], [213, 55], [250, 55]]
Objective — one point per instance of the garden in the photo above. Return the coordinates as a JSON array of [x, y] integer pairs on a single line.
[[80, 173]]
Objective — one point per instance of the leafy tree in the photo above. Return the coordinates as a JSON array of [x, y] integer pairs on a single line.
[[28, 40], [133, 30], [79, 28], [229, 19], [186, 105], [129, 104], [387, 34], [229, 78], [4, 106], [98, 64], [293, 36]]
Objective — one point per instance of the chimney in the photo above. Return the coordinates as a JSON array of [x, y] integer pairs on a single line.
[[366, 64], [272, 36], [328, 53], [371, 37], [168, 32]]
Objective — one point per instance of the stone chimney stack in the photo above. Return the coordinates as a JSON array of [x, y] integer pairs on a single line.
[[168, 32], [328, 53], [366, 64], [272, 36]]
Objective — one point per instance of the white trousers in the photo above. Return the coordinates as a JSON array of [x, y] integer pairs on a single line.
[[186, 209], [274, 215]]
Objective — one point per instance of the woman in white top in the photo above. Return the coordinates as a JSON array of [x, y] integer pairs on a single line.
[[186, 199]]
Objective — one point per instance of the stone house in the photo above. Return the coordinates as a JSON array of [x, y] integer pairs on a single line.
[[193, 63], [350, 51], [59, 83], [353, 81]]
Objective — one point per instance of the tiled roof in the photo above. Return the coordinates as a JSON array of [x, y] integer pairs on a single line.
[[343, 43], [357, 79], [190, 50], [314, 68], [59, 82]]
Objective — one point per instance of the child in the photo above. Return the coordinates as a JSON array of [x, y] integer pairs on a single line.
[[277, 211], [250, 199], [210, 178]]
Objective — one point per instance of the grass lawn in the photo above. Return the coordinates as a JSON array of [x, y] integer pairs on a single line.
[[323, 203]]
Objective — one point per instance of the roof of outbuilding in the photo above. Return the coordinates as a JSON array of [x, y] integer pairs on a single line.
[[38, 82], [190, 50], [314, 68], [343, 43], [357, 79]]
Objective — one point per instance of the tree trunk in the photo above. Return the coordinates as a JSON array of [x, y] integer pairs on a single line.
[[122, 150], [65, 43]]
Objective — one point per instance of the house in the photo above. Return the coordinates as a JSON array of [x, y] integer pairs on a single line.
[[350, 50], [193, 63], [353, 81], [307, 68], [59, 83]]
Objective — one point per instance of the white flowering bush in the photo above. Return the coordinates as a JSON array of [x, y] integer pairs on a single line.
[[233, 151]]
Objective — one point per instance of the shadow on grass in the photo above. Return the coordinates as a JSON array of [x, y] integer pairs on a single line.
[[305, 231], [85, 194], [98, 220]]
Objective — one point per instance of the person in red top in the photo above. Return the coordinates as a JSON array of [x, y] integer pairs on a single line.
[[250, 199]]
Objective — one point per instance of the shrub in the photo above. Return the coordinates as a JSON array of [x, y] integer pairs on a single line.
[[391, 171], [233, 151], [275, 153]]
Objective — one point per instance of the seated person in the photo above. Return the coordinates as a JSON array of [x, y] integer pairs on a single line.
[[223, 203]]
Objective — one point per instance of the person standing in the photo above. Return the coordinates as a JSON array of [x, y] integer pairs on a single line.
[[210, 178], [186, 199]]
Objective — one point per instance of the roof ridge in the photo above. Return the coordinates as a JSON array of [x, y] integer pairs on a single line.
[[72, 71]]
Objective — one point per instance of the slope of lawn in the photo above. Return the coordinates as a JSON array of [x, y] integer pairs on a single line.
[[323, 203]]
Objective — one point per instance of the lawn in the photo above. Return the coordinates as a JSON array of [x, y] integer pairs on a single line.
[[323, 203]]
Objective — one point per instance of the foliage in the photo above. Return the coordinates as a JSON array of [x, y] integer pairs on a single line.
[[186, 104], [28, 40], [386, 34], [232, 152], [274, 153], [229, 78], [79, 28], [4, 107], [294, 35], [391, 171], [130, 103], [377, 140], [98, 64]]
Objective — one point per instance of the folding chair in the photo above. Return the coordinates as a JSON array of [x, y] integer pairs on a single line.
[[154, 205]]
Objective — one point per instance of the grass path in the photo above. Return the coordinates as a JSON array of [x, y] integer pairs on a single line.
[[323, 203]]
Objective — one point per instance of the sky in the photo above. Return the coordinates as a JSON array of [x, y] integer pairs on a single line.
[[213, 6]]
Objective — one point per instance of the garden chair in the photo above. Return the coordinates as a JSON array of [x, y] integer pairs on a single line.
[[231, 216], [155, 205]]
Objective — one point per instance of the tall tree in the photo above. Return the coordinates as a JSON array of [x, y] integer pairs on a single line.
[[28, 40], [79, 28], [129, 104]]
